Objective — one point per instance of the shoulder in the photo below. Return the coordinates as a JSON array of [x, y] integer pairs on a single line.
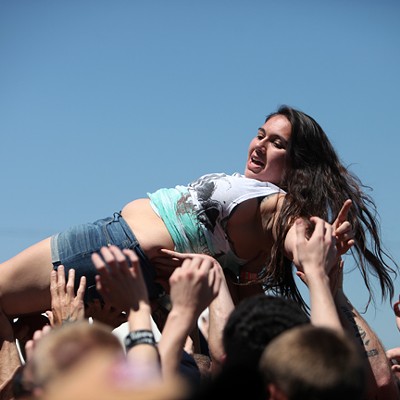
[[273, 203], [269, 209]]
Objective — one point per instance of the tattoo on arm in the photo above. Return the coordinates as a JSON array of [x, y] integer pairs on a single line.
[[359, 332]]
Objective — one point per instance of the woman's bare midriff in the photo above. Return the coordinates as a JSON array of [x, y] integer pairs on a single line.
[[148, 227]]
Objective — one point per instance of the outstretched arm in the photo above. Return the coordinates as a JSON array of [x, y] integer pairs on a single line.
[[381, 381], [315, 257], [121, 284], [194, 286], [219, 310]]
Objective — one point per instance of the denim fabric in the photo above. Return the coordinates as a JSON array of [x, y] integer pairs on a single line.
[[73, 248]]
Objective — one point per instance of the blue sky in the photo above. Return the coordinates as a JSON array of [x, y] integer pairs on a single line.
[[103, 101]]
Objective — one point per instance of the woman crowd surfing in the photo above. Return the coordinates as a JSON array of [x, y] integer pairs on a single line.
[[245, 221]]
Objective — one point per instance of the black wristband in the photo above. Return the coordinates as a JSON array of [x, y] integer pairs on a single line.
[[142, 336]]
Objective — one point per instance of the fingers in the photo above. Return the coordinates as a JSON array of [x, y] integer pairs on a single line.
[[69, 288], [53, 281], [57, 280], [393, 353], [61, 277], [342, 226], [207, 268], [180, 256], [99, 263], [194, 263], [114, 260], [345, 233], [302, 276], [395, 368], [81, 288], [322, 229], [37, 335], [102, 289], [343, 213], [201, 264], [300, 231], [189, 256]]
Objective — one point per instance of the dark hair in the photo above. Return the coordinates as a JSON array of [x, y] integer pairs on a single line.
[[253, 323], [317, 183]]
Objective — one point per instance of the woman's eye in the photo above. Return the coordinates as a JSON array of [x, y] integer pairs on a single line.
[[278, 143]]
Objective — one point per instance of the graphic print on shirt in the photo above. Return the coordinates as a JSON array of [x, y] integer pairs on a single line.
[[211, 208]]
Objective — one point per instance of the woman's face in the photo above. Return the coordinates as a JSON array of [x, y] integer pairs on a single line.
[[267, 151]]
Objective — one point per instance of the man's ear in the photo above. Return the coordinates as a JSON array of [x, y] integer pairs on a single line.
[[275, 393], [223, 358]]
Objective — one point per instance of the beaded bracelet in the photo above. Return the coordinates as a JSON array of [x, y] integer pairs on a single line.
[[141, 336]]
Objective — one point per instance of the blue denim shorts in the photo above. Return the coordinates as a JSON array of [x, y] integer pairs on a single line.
[[73, 249]]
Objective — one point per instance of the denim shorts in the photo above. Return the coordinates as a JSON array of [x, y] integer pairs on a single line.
[[73, 249]]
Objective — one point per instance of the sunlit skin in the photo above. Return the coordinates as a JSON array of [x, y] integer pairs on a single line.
[[25, 278], [267, 151]]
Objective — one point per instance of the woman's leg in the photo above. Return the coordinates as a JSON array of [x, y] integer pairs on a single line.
[[25, 280]]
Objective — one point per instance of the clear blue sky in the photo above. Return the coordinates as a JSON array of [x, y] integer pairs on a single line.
[[103, 101]]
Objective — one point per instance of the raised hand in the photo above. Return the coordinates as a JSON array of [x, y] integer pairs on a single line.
[[120, 280], [343, 230], [196, 283], [393, 356], [316, 257], [194, 286], [65, 305], [319, 251]]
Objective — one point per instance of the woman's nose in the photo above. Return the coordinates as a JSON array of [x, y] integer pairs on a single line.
[[262, 144]]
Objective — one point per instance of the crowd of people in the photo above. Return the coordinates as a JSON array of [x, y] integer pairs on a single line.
[[236, 246]]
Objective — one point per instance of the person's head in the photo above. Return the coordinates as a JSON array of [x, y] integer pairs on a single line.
[[316, 182], [64, 346], [101, 376], [267, 152], [288, 140], [253, 323], [315, 363]]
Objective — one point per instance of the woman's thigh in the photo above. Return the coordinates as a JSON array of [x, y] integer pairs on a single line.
[[25, 280]]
